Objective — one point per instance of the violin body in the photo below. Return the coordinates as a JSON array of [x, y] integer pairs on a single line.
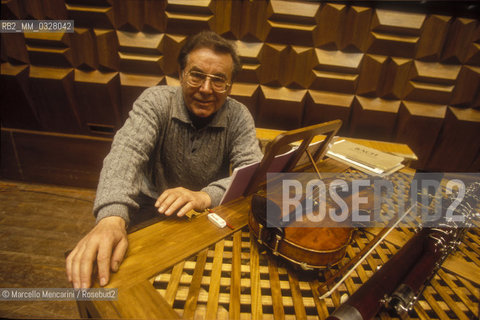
[[311, 245]]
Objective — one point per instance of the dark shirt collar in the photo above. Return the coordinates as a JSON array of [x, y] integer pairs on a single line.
[[181, 112]]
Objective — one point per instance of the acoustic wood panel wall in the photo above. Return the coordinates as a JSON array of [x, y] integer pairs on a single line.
[[406, 76]]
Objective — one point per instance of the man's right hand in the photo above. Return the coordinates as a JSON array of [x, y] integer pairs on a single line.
[[106, 244]]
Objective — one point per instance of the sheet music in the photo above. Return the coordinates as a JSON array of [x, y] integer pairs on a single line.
[[241, 176]]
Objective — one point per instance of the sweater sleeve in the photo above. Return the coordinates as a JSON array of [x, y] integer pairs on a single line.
[[124, 167], [244, 148]]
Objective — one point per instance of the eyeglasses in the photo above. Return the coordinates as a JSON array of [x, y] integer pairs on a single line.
[[196, 78]]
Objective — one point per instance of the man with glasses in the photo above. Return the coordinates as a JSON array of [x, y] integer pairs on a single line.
[[176, 147]]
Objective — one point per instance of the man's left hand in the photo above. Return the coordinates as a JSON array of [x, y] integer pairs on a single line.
[[182, 200]]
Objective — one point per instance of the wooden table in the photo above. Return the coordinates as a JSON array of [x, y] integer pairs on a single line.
[[191, 269]]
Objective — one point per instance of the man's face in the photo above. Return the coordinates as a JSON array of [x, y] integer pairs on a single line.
[[203, 101]]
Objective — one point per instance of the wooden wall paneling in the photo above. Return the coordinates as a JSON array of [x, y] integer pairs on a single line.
[[336, 71], [129, 15], [55, 9], [44, 10], [135, 16], [458, 40], [106, 42], [271, 57], [140, 42], [60, 159], [140, 52], [247, 94], [50, 49], [224, 14], [473, 56], [132, 85], [53, 95], [155, 19], [171, 45], [3, 52], [16, 105], [298, 68], [280, 108], [356, 29], [372, 71], [467, 87], [84, 49], [230, 25], [12, 10], [98, 101], [249, 53], [188, 17], [432, 38], [322, 106], [475, 167], [9, 164], [91, 3], [98, 14], [122, 47], [249, 24], [34, 10], [431, 82], [476, 102], [395, 33], [373, 118], [13, 48], [171, 81], [458, 144], [418, 126], [330, 18], [291, 22], [396, 75]]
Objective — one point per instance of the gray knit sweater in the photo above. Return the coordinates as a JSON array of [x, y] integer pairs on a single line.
[[158, 148]]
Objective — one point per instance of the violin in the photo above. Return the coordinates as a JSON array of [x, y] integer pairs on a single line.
[[301, 241], [309, 244]]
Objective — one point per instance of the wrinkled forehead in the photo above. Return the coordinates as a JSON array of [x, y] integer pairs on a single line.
[[210, 61]]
